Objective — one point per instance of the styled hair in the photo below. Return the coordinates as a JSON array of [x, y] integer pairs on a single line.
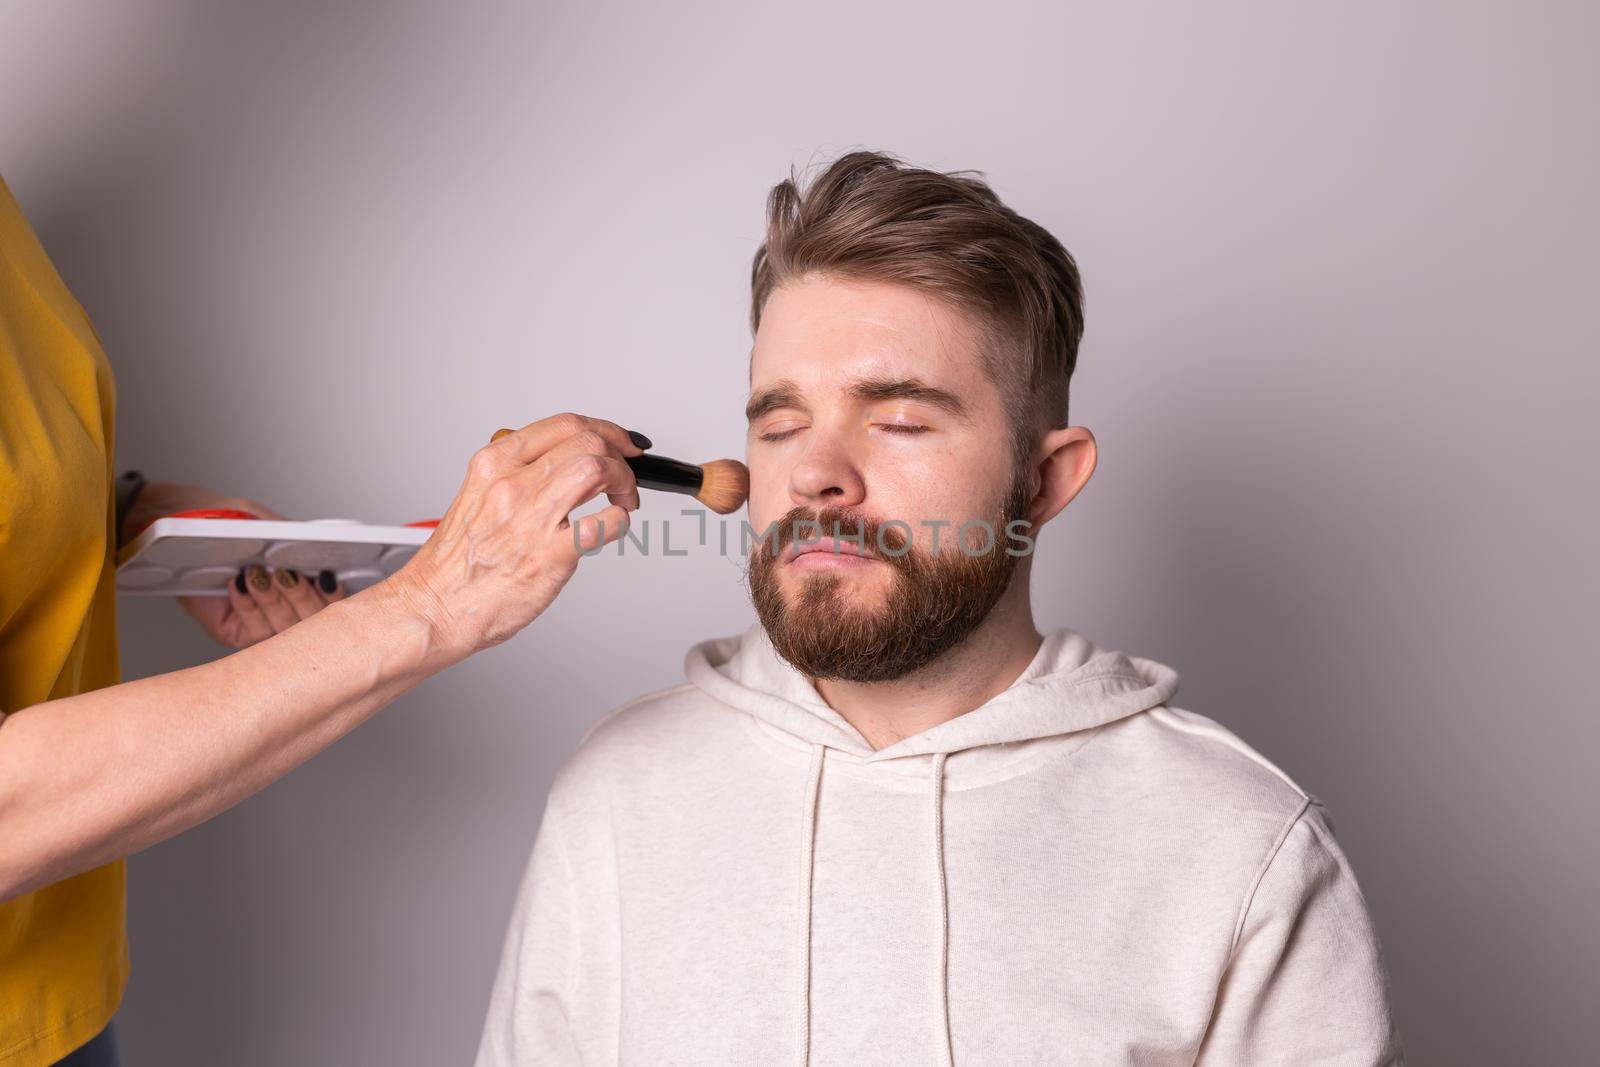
[[871, 216]]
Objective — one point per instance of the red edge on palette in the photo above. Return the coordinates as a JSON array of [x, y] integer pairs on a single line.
[[211, 513], [232, 513], [200, 513]]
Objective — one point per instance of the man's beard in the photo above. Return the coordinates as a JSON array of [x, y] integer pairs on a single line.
[[934, 602]]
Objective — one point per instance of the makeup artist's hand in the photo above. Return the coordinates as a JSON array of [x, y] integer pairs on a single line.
[[261, 602], [506, 547]]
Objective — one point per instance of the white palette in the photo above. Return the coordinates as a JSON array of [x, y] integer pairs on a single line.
[[199, 557]]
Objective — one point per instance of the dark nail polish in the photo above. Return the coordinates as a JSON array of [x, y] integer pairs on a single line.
[[638, 439], [260, 578], [288, 578], [238, 580], [325, 581]]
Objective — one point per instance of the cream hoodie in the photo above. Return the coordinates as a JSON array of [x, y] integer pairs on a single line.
[[1075, 872]]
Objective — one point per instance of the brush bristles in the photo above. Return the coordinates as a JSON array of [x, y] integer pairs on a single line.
[[724, 485]]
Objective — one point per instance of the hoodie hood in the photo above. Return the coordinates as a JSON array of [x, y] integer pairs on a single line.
[[1070, 686]]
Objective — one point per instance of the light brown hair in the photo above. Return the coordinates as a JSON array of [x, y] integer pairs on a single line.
[[871, 216]]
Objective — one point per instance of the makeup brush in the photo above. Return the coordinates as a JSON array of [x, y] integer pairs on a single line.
[[721, 485]]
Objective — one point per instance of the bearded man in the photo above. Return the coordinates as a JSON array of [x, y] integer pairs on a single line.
[[893, 823]]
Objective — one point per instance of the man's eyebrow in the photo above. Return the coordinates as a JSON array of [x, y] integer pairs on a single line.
[[786, 394], [870, 389], [782, 394]]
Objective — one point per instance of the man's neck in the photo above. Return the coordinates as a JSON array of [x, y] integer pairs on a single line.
[[980, 668]]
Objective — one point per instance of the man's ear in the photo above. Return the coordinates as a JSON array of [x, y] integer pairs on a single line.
[[1066, 461]]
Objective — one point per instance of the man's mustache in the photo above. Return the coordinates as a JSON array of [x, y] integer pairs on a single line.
[[885, 541]]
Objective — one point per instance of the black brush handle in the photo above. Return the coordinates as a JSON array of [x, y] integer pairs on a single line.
[[671, 475]]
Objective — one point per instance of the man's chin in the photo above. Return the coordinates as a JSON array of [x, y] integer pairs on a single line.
[[856, 586]]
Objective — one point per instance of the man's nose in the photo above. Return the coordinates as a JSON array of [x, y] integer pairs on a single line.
[[826, 477]]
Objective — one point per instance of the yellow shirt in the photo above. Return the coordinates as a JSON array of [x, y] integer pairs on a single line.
[[63, 949]]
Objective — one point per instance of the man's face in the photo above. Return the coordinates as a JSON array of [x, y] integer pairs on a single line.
[[870, 407]]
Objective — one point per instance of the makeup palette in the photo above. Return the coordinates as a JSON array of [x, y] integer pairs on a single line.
[[199, 553]]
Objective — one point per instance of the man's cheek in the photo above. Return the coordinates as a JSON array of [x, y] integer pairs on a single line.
[[761, 520]]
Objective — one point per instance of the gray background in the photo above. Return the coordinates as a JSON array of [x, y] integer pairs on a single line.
[[1341, 359]]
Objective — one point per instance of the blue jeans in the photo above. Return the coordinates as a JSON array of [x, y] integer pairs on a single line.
[[101, 1051]]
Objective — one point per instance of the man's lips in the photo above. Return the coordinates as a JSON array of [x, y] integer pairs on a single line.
[[835, 548]]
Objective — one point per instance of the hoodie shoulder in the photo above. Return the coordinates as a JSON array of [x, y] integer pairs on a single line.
[[668, 728], [640, 707], [1200, 762], [1188, 789]]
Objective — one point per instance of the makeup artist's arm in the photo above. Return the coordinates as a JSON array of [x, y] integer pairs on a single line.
[[90, 778]]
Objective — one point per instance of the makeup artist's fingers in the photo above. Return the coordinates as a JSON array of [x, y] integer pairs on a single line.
[[595, 531], [524, 446], [300, 593], [330, 588], [263, 590], [252, 623], [578, 481], [585, 443]]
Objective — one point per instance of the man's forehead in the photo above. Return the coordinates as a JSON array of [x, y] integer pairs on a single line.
[[865, 308], [814, 331]]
